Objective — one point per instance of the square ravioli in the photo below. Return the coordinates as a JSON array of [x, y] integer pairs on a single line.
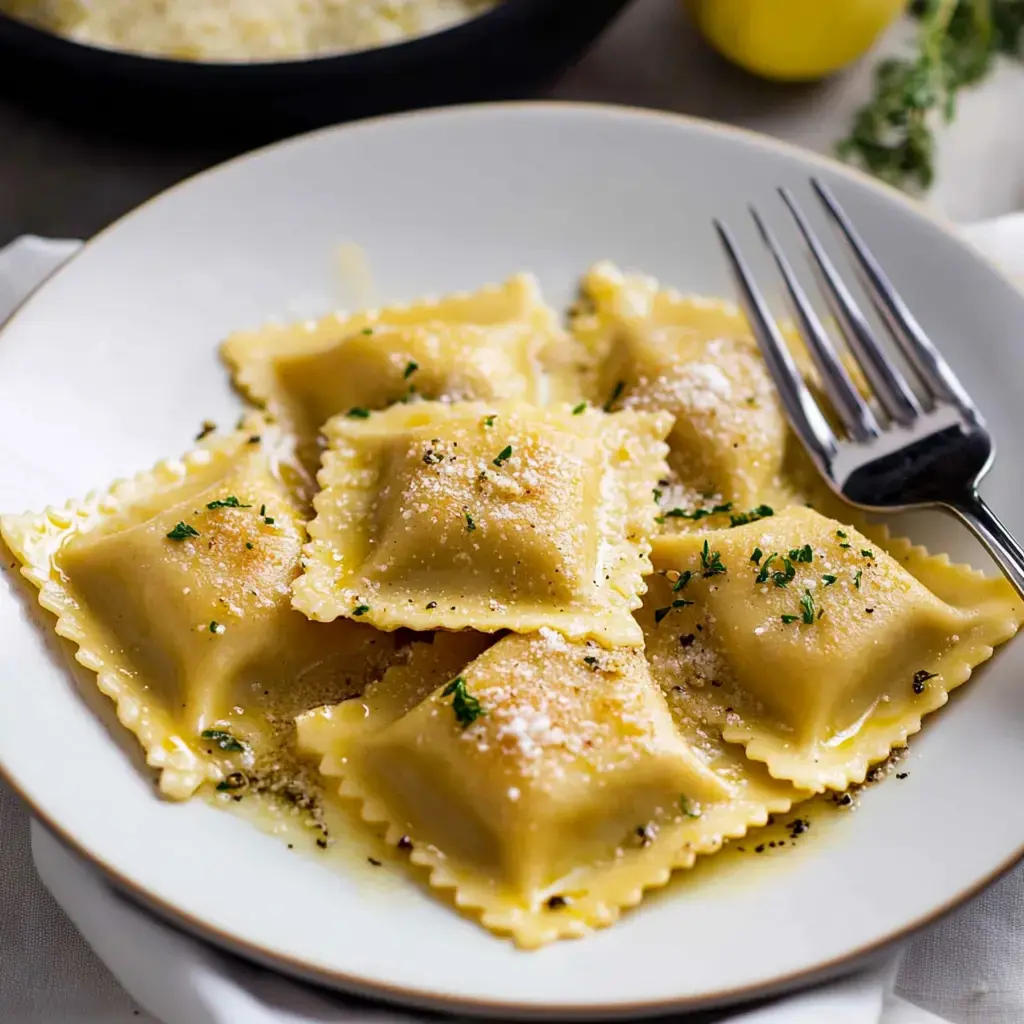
[[482, 345], [546, 782], [176, 587], [485, 516], [695, 358], [811, 645]]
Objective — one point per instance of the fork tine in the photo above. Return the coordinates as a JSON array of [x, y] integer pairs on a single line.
[[933, 370], [803, 412], [854, 412], [890, 387]]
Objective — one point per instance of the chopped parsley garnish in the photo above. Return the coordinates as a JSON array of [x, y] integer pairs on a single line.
[[590, 660], [263, 510], [829, 579], [503, 456], [431, 457], [845, 545], [466, 707], [614, 396], [920, 678], [867, 553], [840, 534], [411, 367], [781, 577], [807, 608], [229, 502], [787, 619], [216, 628], [357, 412], [248, 545], [557, 902], [489, 420], [756, 555], [360, 609], [711, 562], [182, 531], [254, 439], [660, 613], [367, 330], [577, 409], [269, 520], [856, 579], [207, 427], [684, 806], [761, 512], [699, 513], [804, 554], [470, 523], [223, 739], [684, 578], [762, 576], [657, 495]]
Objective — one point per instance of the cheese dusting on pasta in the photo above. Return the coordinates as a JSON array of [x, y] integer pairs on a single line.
[[556, 616]]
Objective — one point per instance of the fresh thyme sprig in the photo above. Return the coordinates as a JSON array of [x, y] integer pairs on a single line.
[[893, 135]]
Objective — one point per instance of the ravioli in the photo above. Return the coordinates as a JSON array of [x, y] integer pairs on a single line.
[[810, 645], [483, 345], [175, 586], [544, 781], [653, 349], [485, 516], [563, 619]]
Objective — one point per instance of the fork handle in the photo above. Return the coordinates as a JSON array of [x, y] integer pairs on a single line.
[[985, 525]]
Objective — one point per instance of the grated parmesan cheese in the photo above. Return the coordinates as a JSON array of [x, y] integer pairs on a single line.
[[239, 30]]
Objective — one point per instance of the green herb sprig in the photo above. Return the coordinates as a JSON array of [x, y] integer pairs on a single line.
[[698, 513], [958, 40], [229, 502], [466, 707], [761, 512], [182, 531], [503, 456], [710, 562]]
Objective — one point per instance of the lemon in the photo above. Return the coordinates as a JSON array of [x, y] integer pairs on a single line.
[[793, 40]]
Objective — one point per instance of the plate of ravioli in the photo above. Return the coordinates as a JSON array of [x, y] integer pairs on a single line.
[[419, 573]]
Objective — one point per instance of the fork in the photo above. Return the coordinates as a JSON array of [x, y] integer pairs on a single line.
[[910, 447]]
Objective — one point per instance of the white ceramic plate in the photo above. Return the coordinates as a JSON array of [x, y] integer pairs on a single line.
[[113, 364]]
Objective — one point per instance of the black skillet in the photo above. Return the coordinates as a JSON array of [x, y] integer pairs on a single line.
[[512, 50]]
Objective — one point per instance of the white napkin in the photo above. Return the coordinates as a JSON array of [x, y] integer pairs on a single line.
[[969, 968]]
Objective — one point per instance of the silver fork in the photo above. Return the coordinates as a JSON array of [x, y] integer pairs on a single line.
[[910, 448]]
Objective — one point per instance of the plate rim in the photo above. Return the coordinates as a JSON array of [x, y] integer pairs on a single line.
[[432, 999]]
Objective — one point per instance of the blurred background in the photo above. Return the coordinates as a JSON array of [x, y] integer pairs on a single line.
[[83, 141]]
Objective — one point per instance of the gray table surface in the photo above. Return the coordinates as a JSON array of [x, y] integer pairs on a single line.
[[59, 181]]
